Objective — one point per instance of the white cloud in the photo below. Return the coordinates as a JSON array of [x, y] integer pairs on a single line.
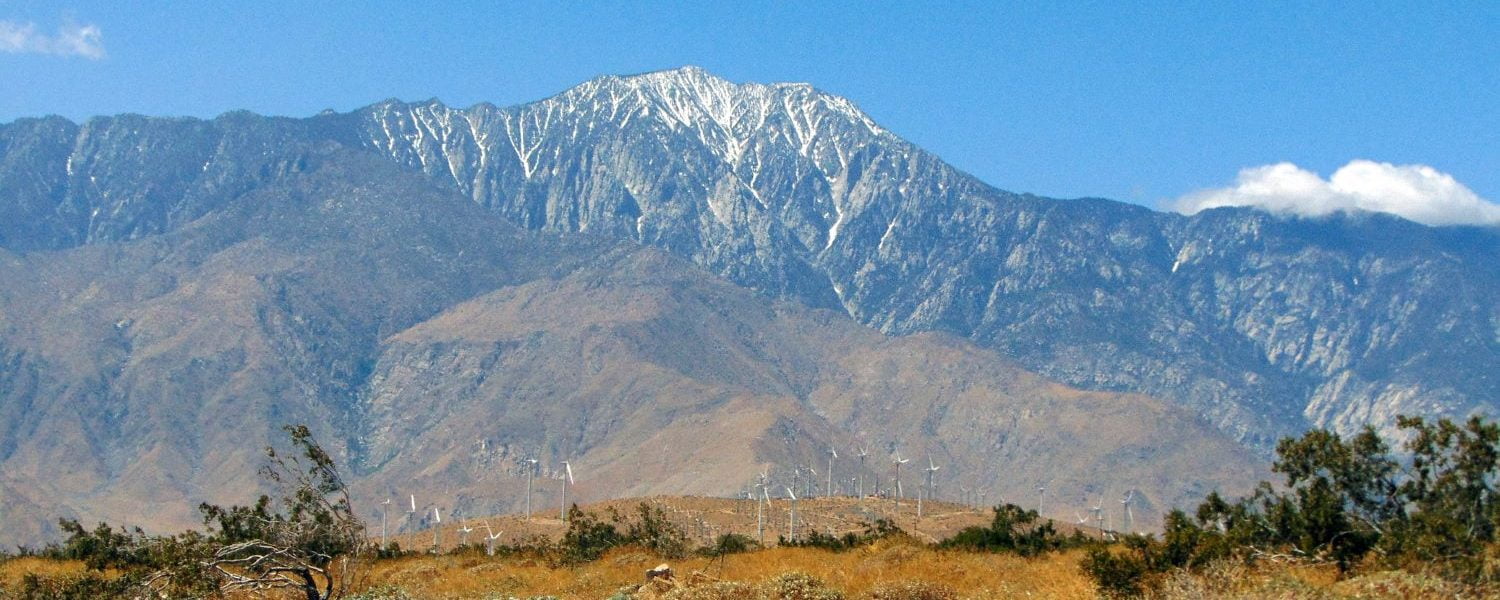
[[1416, 192], [71, 40]]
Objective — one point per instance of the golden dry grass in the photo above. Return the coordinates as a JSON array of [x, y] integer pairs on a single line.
[[856, 572], [11, 571]]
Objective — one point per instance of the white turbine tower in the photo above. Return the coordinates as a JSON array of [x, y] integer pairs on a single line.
[[932, 469], [1041, 497], [832, 454], [897, 461], [567, 481], [760, 521], [530, 469], [1099, 513], [792, 523], [489, 539], [863, 452], [463, 533], [384, 508], [437, 528], [411, 514], [1129, 518], [760, 514]]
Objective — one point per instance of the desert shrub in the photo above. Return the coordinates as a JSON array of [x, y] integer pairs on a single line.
[[1115, 575], [1013, 529], [653, 531], [800, 586], [588, 537], [383, 592], [729, 543], [913, 590], [392, 549], [718, 590], [873, 532], [1349, 502], [85, 586], [307, 538]]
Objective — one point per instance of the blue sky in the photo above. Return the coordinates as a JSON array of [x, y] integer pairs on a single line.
[[1144, 104]]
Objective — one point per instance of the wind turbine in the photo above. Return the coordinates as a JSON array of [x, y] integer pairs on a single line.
[[384, 508], [982, 494], [567, 481], [411, 514], [490, 537], [1129, 518], [530, 469], [1041, 496], [863, 452], [898, 461], [932, 468], [437, 528], [1081, 519], [463, 533], [760, 519], [792, 524], [832, 454], [1099, 513]]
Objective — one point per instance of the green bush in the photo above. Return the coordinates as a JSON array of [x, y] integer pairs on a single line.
[[587, 537], [1345, 501], [1115, 575], [878, 530], [651, 530], [729, 543], [1013, 529]]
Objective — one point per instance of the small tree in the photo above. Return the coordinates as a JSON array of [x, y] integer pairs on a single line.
[[307, 539]]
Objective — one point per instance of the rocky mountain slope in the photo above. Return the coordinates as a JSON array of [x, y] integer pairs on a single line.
[[434, 346], [190, 276]]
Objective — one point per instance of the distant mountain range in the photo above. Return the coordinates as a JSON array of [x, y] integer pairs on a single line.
[[445, 292]]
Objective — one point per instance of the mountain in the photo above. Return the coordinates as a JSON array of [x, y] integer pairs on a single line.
[[182, 275], [1265, 325], [433, 345]]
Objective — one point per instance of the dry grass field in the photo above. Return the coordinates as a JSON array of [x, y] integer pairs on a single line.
[[857, 574], [893, 568], [703, 519]]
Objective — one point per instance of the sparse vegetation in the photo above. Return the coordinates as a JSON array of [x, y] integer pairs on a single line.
[[1351, 519], [306, 540], [1013, 529], [1350, 503], [873, 532]]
